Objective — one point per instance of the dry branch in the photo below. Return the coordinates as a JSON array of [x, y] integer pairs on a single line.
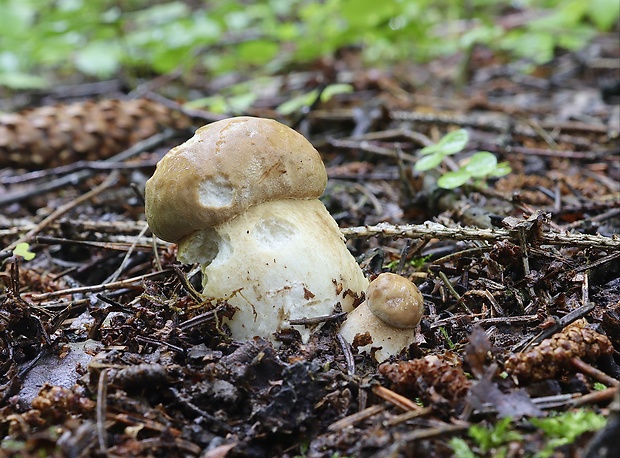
[[430, 230], [426, 231]]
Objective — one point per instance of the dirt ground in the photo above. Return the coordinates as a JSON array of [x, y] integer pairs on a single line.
[[107, 350]]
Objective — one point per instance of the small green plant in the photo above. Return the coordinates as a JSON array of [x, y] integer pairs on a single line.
[[480, 166], [307, 99], [564, 428], [560, 429], [460, 448], [417, 263], [446, 336], [496, 437], [103, 38], [23, 250], [488, 439]]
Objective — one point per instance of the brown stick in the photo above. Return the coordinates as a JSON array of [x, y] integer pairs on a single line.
[[109, 181], [593, 372]]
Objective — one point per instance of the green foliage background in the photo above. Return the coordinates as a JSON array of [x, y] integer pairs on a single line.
[[43, 39]]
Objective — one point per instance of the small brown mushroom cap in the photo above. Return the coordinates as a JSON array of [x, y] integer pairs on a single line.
[[395, 300], [392, 309], [227, 167]]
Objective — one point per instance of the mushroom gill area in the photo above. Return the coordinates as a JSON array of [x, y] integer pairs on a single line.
[[287, 260]]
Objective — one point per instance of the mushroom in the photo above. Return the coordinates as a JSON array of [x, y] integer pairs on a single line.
[[387, 319], [241, 198]]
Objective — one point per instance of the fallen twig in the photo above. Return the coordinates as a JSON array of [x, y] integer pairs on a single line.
[[74, 178], [430, 230], [593, 372], [357, 417], [395, 398], [108, 182], [98, 288]]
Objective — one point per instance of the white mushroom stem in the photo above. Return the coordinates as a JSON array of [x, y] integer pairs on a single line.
[[388, 341], [279, 261]]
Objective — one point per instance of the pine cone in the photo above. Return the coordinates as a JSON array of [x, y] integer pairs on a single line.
[[552, 356], [448, 379], [92, 130]]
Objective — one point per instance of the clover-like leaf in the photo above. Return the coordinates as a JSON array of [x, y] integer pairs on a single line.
[[335, 89], [453, 142], [481, 164], [428, 162], [452, 180], [502, 169], [297, 103], [430, 149], [23, 250]]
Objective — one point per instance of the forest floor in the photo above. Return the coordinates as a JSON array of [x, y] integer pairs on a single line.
[[106, 350]]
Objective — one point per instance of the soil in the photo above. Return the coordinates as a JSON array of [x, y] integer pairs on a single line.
[[107, 350]]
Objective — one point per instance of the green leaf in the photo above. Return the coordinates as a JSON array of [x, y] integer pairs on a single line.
[[578, 36], [491, 438], [98, 58], [453, 142], [484, 34], [18, 80], [428, 162], [460, 448], [257, 52], [569, 425], [162, 14], [335, 89], [240, 103], [481, 164], [535, 46], [297, 103], [16, 18], [604, 13], [502, 169], [23, 250], [452, 180], [430, 149]]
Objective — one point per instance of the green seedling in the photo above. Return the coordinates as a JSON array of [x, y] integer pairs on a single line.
[[446, 336], [492, 440], [23, 250], [417, 263], [564, 428], [480, 166], [307, 99], [559, 430]]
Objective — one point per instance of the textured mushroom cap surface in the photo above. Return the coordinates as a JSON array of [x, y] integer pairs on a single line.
[[227, 167], [395, 301]]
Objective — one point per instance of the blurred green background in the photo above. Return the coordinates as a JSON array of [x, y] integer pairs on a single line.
[[42, 42]]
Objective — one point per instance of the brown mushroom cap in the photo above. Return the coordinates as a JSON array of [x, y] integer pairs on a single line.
[[227, 167], [395, 301]]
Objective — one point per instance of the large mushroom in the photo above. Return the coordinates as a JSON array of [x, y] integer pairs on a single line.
[[241, 198], [384, 324]]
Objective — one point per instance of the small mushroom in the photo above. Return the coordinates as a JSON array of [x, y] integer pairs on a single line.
[[241, 198], [387, 319]]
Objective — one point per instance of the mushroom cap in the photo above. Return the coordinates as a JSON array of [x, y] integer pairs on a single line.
[[395, 300], [227, 167]]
